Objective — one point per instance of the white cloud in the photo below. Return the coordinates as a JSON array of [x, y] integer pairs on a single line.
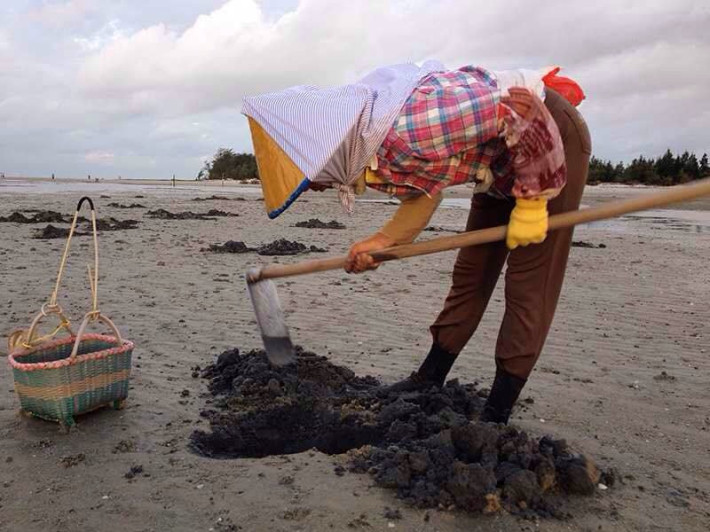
[[655, 67], [236, 50], [109, 33], [62, 13], [160, 85], [100, 157], [610, 46], [4, 42]]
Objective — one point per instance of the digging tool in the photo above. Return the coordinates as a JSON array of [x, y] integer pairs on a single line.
[[265, 299]]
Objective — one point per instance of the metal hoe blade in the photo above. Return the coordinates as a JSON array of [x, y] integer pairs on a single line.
[[272, 324]]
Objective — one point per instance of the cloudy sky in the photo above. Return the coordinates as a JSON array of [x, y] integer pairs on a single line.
[[148, 88]]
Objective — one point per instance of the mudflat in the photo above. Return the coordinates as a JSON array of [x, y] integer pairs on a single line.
[[623, 378]]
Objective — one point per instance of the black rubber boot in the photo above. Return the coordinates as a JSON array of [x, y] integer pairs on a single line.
[[504, 392], [432, 372]]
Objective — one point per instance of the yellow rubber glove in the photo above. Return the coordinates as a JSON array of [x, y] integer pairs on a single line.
[[528, 223]]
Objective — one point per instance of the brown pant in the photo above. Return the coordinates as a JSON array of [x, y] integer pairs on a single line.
[[535, 273]]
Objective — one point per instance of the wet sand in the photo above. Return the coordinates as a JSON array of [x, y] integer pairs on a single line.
[[628, 313]]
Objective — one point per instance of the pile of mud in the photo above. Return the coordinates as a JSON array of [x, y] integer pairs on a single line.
[[286, 247], [102, 224], [438, 229], [315, 223], [583, 244], [50, 231], [424, 443], [277, 247], [38, 217], [215, 197], [212, 214], [230, 246], [126, 206], [112, 224]]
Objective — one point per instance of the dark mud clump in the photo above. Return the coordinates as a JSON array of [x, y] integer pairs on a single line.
[[424, 444], [212, 214], [112, 224], [126, 206], [278, 247], [438, 229], [286, 247], [583, 244], [51, 231], [231, 246], [221, 198], [38, 217], [315, 223], [102, 224], [664, 376], [263, 410]]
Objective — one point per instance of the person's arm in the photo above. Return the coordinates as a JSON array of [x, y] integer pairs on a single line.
[[411, 218], [408, 221], [540, 174]]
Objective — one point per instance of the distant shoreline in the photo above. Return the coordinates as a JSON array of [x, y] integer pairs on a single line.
[[233, 183], [127, 181], [42, 185]]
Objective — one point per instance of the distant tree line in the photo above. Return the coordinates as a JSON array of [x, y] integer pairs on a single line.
[[226, 164], [666, 170]]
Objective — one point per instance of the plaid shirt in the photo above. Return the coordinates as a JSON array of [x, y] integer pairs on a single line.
[[445, 134]]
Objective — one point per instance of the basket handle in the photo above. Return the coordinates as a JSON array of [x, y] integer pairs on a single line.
[[93, 275], [88, 318], [45, 311], [81, 202]]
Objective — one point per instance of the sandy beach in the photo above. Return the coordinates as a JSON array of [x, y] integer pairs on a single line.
[[624, 377]]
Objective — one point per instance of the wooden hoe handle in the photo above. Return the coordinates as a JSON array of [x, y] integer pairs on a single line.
[[493, 234]]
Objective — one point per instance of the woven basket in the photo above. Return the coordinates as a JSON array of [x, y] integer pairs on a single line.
[[51, 384], [57, 379]]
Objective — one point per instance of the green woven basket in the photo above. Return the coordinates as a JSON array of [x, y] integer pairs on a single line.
[[58, 379], [52, 384]]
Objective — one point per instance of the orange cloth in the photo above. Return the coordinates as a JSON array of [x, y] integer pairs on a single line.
[[566, 87], [278, 174]]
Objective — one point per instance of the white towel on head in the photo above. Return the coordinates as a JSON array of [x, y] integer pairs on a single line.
[[332, 134]]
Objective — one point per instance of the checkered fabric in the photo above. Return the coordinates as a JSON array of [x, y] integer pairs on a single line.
[[445, 134]]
